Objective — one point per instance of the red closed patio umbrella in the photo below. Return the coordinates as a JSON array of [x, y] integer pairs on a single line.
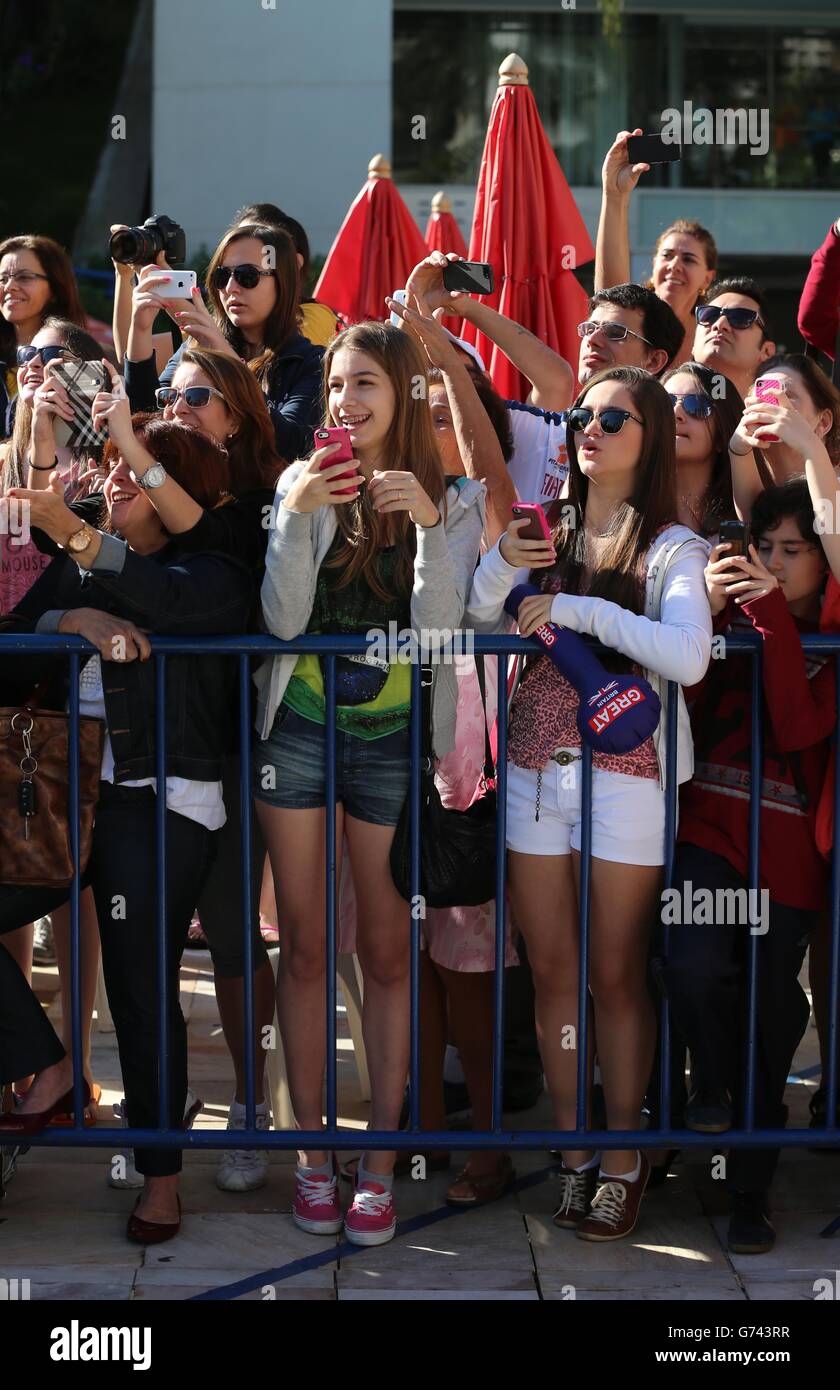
[[442, 231], [377, 246], [527, 225]]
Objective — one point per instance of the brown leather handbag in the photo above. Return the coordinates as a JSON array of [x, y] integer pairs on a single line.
[[35, 845]]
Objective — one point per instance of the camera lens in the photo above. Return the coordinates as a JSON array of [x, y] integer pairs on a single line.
[[135, 245]]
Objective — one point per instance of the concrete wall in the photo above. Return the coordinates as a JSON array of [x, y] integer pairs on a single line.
[[253, 103]]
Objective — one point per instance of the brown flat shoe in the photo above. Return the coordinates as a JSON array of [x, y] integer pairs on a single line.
[[151, 1232], [615, 1206], [479, 1190]]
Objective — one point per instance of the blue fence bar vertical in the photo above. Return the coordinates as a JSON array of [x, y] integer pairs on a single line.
[[244, 649]]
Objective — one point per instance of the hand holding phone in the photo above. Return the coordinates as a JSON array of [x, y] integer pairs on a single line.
[[468, 277], [767, 389], [734, 534], [340, 435], [175, 284], [82, 382], [652, 149], [538, 528]]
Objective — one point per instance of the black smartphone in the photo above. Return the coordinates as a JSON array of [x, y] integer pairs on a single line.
[[734, 533], [652, 149], [471, 277]]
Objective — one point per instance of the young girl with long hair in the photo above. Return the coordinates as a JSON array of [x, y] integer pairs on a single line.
[[623, 572], [705, 421], [347, 554]]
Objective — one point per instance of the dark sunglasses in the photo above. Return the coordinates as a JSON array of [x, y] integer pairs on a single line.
[[612, 420], [193, 396], [46, 354], [737, 318], [697, 406], [248, 276]]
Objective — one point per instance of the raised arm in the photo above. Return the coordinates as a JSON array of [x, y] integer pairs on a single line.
[[612, 246]]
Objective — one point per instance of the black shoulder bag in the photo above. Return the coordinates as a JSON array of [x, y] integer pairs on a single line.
[[457, 848]]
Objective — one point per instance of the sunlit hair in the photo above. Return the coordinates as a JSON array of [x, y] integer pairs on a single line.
[[821, 390], [727, 409], [683, 227], [198, 464], [651, 505], [409, 446], [81, 344], [252, 450], [64, 300], [282, 321]]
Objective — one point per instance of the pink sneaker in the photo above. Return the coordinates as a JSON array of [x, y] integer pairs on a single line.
[[316, 1207], [371, 1219]]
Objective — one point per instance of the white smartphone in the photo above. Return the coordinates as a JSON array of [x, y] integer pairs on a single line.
[[401, 297], [176, 284]]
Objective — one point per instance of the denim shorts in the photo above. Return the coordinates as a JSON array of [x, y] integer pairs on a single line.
[[371, 775]]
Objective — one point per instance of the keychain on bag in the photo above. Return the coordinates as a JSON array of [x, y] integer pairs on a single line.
[[27, 798]]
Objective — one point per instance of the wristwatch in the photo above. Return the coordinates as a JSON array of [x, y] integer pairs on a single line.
[[80, 540], [153, 477]]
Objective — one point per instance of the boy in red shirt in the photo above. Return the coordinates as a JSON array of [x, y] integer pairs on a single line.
[[777, 593]]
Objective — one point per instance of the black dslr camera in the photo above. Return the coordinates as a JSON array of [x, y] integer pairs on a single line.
[[140, 245]]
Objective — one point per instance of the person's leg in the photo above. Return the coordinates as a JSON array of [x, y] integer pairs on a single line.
[[296, 842], [18, 943], [28, 1041], [434, 1027], [623, 900], [124, 879], [382, 945], [471, 996], [230, 997], [544, 901], [89, 946], [819, 979]]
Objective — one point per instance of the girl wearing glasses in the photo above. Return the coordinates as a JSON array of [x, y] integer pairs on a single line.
[[626, 574], [253, 285], [36, 281]]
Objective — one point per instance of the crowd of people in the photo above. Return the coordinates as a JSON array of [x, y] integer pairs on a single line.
[[212, 508]]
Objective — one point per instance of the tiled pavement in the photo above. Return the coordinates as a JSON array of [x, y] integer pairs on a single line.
[[62, 1227]]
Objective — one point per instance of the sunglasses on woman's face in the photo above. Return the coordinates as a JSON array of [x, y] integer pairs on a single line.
[[612, 420], [46, 354], [699, 407], [193, 396], [248, 276], [707, 314]]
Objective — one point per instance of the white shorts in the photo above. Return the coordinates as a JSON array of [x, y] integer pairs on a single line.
[[628, 814]]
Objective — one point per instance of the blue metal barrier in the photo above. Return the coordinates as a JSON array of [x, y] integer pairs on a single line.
[[333, 1137]]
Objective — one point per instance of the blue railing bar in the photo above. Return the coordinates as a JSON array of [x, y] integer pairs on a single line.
[[246, 811], [160, 849], [331, 887], [418, 906], [582, 1040], [831, 1077], [671, 790], [257, 645], [501, 895], [756, 765], [450, 1139], [75, 890]]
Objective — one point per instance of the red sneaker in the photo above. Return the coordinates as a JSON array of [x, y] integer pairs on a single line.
[[316, 1207], [371, 1219]]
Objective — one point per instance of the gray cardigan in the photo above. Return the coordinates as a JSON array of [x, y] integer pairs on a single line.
[[443, 571]]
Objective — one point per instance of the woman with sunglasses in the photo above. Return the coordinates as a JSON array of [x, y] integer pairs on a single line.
[[707, 410], [626, 574], [36, 283], [253, 285], [216, 395], [119, 573], [685, 255]]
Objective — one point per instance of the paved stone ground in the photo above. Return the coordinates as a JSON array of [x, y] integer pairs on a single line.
[[62, 1227]]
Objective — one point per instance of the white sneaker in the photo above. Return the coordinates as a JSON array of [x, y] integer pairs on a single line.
[[243, 1170], [131, 1177]]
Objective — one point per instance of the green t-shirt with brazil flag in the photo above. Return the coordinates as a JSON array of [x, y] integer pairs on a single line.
[[372, 698]]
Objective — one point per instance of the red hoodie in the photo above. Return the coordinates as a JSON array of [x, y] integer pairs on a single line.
[[799, 717]]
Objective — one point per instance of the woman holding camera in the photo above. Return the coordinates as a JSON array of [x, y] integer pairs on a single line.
[[253, 284], [122, 579], [36, 281]]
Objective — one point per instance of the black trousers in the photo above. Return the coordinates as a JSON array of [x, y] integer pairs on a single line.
[[122, 873], [706, 979], [220, 902], [28, 1041]]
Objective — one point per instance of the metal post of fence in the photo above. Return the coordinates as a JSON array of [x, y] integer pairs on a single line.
[[501, 892], [584, 913], [246, 810], [75, 924], [671, 795], [418, 903], [331, 885], [756, 773], [162, 953]]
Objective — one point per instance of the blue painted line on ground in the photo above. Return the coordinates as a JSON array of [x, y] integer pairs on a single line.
[[344, 1249]]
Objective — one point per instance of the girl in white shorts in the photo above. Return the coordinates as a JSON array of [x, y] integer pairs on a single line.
[[621, 571]]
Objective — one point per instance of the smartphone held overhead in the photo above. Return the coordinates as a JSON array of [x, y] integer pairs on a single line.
[[82, 381], [652, 149], [470, 277]]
